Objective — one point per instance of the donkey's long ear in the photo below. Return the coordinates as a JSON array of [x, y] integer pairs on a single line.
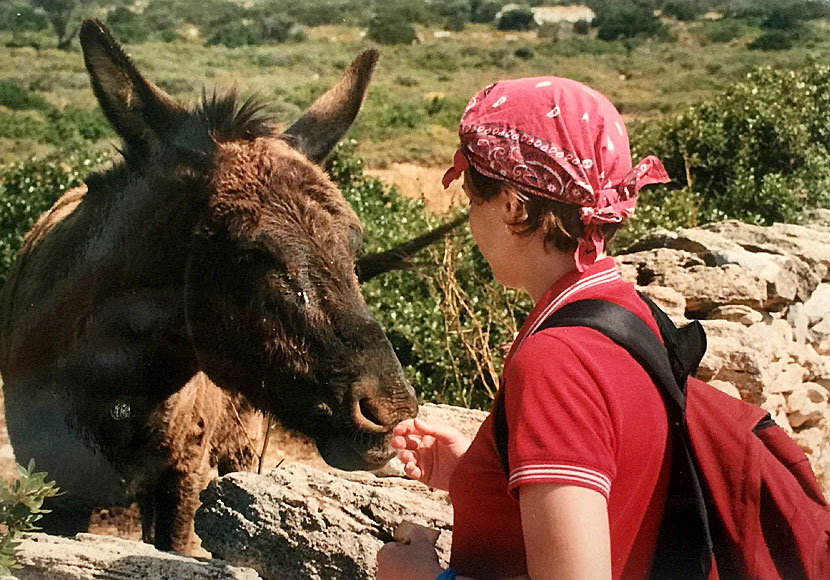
[[139, 111], [327, 120]]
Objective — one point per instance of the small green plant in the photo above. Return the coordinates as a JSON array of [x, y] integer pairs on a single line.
[[21, 506]]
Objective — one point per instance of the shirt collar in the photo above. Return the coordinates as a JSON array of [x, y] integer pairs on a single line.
[[562, 292]]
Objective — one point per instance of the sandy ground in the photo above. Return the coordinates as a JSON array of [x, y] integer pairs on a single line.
[[422, 183]]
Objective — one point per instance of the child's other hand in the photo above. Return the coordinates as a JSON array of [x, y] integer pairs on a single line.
[[416, 560], [429, 452]]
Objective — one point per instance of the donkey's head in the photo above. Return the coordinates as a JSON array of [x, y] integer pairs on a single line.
[[271, 297]]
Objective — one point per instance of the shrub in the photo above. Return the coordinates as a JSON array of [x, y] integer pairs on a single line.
[[73, 126], [773, 40], [515, 17], [758, 152], [127, 26], [27, 189], [13, 96], [234, 33], [582, 27], [276, 28], [621, 20], [16, 16], [21, 506], [683, 10], [721, 31], [484, 11], [23, 125], [391, 28], [524, 52]]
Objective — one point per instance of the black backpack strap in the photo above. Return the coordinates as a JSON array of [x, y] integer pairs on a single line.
[[684, 547]]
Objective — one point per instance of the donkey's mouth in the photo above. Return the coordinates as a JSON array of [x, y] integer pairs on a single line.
[[349, 455]]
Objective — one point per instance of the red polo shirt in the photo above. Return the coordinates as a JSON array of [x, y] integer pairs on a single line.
[[580, 411]]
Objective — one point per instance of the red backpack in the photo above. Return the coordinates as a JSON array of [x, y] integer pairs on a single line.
[[743, 502]]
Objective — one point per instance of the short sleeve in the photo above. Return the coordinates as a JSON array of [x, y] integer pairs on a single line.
[[559, 422]]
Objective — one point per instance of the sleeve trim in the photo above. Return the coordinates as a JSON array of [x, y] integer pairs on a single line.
[[557, 473]]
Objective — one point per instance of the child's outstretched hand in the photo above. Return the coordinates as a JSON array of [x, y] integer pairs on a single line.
[[429, 452]]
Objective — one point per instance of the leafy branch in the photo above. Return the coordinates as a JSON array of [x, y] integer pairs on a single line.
[[21, 506]]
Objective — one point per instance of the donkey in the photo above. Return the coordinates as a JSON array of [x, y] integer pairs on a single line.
[[217, 252]]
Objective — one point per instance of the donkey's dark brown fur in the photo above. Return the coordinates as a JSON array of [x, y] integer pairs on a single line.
[[217, 253]]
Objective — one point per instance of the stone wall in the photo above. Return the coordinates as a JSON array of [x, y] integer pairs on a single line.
[[763, 296]]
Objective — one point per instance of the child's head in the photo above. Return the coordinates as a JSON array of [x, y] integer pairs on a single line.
[[562, 148]]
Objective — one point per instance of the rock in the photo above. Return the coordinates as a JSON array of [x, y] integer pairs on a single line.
[[92, 557], [817, 308], [809, 246], [798, 319], [692, 240], [777, 270], [726, 387], [807, 407], [297, 522], [777, 334], [788, 380], [737, 313], [704, 287], [669, 300]]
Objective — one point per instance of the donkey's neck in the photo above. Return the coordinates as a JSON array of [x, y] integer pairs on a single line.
[[107, 275]]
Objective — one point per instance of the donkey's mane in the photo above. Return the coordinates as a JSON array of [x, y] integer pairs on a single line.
[[225, 119]]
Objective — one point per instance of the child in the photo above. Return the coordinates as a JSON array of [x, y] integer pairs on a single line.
[[547, 169]]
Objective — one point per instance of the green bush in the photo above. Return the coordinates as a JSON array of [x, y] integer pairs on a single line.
[[127, 26], [27, 189], [721, 31], [445, 318], [21, 506], [17, 16], [759, 152], [16, 97], [773, 40], [515, 17], [74, 126], [582, 27], [621, 20], [391, 28], [234, 33], [484, 11], [683, 10]]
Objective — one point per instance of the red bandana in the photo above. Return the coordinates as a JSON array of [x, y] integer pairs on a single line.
[[559, 139]]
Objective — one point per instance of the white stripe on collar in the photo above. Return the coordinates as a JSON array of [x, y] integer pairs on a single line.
[[604, 277]]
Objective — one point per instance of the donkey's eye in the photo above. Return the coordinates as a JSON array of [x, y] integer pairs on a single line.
[[355, 239]]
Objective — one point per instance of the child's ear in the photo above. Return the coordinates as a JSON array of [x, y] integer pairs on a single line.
[[515, 211]]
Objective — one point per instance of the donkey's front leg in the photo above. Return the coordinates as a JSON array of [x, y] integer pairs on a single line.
[[175, 500]]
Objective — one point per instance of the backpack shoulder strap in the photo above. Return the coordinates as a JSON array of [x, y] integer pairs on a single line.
[[685, 539], [627, 330]]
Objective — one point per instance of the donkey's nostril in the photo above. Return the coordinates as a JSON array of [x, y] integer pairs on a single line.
[[368, 415]]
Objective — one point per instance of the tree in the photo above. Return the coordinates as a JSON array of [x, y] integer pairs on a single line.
[[63, 16]]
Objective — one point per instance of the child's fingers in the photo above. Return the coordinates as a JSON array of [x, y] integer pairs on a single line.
[[412, 471], [442, 433]]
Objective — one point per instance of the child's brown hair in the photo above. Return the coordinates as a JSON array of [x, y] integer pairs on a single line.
[[560, 223]]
